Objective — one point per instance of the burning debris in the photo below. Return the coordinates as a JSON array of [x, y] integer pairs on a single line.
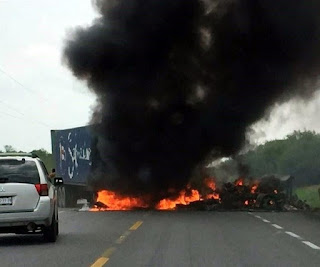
[[108, 200], [177, 80], [269, 193]]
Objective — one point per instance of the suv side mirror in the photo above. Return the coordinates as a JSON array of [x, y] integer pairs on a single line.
[[57, 181]]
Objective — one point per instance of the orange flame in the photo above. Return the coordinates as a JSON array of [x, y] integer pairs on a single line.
[[239, 182], [114, 201], [254, 188], [118, 202], [183, 198], [209, 182], [213, 196]]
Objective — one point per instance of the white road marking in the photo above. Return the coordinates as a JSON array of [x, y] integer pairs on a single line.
[[249, 212], [277, 226], [311, 245], [293, 234], [61, 211]]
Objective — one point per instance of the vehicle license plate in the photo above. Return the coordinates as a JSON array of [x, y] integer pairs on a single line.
[[5, 200]]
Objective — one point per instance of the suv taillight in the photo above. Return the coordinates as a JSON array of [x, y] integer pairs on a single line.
[[42, 189]]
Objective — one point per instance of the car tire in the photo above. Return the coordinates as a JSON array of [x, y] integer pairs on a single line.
[[50, 233]]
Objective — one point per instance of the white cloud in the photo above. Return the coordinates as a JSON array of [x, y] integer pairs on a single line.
[[296, 114]]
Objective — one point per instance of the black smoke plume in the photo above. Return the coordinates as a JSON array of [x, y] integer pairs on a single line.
[[177, 80]]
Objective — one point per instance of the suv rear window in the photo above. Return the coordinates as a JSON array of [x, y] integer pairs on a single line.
[[19, 171]]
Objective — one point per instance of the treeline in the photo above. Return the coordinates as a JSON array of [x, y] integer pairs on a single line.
[[297, 155], [44, 155]]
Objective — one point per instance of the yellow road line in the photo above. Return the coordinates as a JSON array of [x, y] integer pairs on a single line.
[[136, 226], [106, 255], [100, 262]]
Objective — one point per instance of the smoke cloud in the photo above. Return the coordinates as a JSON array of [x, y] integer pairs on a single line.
[[178, 80]]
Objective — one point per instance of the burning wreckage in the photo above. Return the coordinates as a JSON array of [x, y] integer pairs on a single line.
[[267, 193], [179, 81]]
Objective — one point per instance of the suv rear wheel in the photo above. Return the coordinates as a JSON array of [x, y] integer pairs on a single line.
[[50, 233]]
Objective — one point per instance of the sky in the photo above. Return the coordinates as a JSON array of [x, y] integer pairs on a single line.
[[38, 93], [294, 115]]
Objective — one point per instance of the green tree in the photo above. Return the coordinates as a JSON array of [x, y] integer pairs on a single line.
[[297, 155], [9, 149], [46, 157]]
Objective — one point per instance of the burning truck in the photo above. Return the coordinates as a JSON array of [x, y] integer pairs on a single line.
[[75, 161]]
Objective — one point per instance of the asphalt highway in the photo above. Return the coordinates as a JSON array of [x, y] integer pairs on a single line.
[[151, 238]]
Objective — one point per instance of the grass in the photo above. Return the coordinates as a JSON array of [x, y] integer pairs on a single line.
[[310, 194]]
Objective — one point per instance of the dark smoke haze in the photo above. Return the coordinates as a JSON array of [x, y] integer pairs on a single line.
[[177, 80]]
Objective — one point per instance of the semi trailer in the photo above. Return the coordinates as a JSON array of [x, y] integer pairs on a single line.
[[72, 152]]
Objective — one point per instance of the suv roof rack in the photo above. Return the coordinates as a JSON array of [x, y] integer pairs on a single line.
[[30, 155]]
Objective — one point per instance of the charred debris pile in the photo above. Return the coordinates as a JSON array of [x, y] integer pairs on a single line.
[[268, 193], [271, 193]]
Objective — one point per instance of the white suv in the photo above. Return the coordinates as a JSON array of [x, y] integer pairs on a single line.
[[28, 199]]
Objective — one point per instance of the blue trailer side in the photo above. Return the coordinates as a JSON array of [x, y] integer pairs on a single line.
[[71, 150]]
